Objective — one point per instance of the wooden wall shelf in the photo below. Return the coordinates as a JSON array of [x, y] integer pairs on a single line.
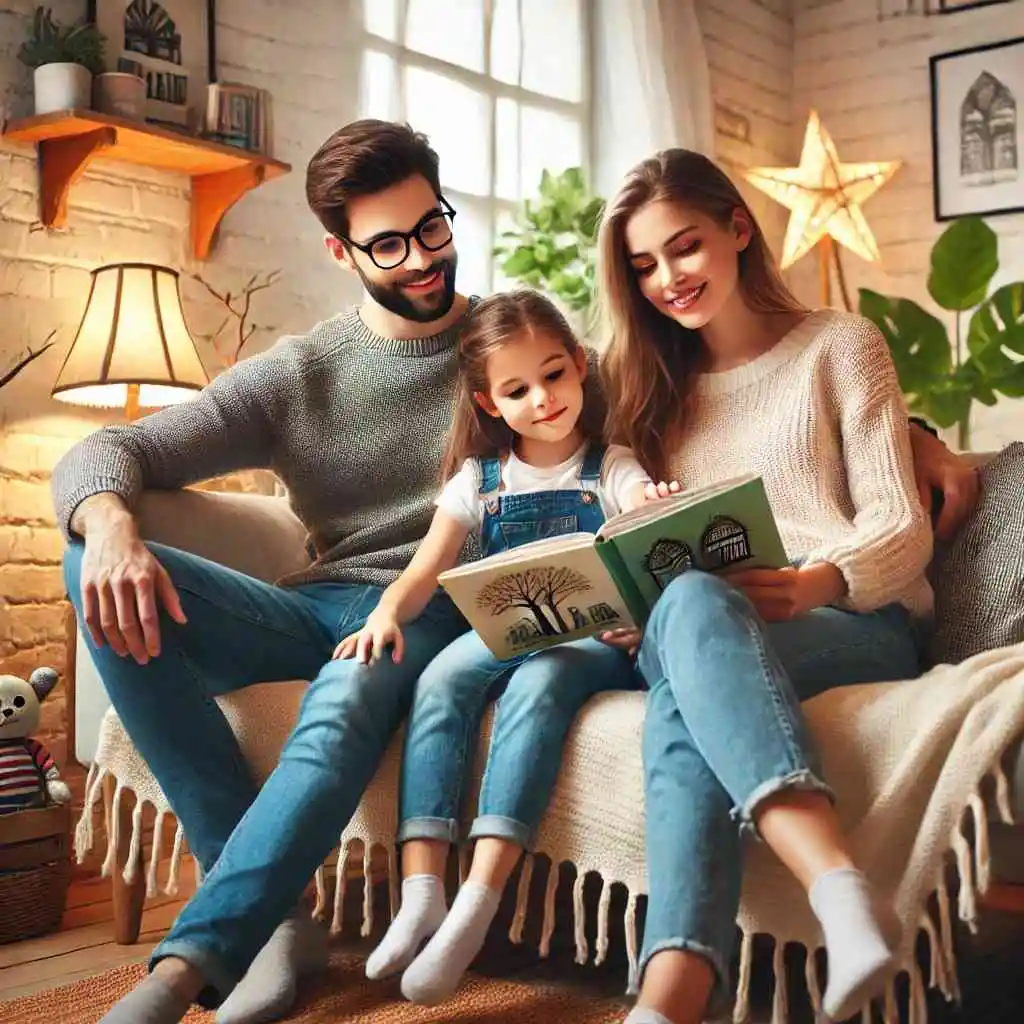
[[68, 140]]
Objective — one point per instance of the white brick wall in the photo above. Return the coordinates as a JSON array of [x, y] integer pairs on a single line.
[[869, 82], [749, 44]]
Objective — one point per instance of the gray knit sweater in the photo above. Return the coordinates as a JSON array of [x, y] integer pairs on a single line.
[[352, 423]]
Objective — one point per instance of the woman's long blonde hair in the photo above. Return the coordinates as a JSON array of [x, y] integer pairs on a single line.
[[500, 320], [650, 360]]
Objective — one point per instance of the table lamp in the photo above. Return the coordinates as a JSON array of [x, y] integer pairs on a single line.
[[133, 349]]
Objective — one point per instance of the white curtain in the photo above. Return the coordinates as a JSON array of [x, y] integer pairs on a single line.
[[652, 87]]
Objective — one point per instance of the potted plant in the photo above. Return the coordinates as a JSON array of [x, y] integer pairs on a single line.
[[64, 59], [553, 245], [941, 379]]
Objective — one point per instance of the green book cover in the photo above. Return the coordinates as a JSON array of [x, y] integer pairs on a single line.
[[578, 584], [727, 525]]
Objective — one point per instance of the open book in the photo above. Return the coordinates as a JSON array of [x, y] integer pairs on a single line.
[[577, 584]]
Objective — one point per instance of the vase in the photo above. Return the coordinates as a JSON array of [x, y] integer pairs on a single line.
[[121, 94], [62, 86]]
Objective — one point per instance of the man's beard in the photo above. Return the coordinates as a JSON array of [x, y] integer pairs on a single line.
[[421, 310]]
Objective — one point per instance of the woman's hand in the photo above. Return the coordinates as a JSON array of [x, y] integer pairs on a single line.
[[936, 468], [655, 492], [627, 639], [782, 594], [367, 644]]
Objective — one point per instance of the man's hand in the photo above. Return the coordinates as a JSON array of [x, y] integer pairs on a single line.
[[627, 639], [937, 468], [121, 584], [782, 594], [367, 644]]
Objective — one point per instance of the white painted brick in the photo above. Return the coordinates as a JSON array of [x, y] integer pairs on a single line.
[[25, 279], [112, 198], [168, 206]]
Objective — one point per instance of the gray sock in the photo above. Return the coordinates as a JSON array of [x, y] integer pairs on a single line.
[[420, 915], [646, 1015], [151, 1002], [860, 935], [435, 974], [267, 991]]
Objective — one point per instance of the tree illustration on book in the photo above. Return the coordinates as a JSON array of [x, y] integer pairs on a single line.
[[538, 592]]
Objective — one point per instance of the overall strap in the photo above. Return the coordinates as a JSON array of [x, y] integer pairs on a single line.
[[490, 476], [590, 469]]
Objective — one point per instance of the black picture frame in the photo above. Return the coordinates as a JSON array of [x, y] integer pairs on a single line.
[[996, 179], [948, 7], [192, 118]]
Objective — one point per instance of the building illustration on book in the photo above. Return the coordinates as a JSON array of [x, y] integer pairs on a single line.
[[540, 593], [724, 542]]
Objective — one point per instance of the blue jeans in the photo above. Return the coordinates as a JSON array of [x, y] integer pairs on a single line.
[[542, 695], [258, 849], [724, 731]]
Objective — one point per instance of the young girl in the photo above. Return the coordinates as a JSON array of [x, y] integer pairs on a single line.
[[713, 369], [527, 463]]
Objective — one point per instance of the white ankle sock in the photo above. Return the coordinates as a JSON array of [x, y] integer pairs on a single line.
[[435, 974], [860, 936], [646, 1015], [420, 915]]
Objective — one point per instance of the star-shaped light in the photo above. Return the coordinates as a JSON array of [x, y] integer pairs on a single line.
[[824, 195]]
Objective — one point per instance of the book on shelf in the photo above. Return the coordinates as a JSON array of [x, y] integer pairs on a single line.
[[239, 115], [575, 585]]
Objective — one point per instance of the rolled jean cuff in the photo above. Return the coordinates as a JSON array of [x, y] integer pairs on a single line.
[[803, 780], [496, 826], [219, 980], [444, 830], [719, 1001]]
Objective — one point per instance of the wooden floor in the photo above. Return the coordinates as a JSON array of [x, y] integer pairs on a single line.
[[84, 946]]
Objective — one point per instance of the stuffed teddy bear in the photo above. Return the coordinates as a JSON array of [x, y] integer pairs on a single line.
[[28, 775]]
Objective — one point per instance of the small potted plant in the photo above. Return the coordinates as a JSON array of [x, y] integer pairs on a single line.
[[64, 59]]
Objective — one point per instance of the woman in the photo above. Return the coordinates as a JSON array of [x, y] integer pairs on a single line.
[[714, 369]]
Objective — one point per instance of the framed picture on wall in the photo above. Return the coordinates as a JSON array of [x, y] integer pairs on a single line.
[[169, 43], [977, 144]]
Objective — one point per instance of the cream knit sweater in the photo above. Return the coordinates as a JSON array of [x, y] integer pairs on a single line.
[[820, 416]]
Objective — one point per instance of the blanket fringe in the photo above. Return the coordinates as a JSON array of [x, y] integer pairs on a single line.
[[603, 911], [340, 885], [367, 891], [548, 928], [813, 983], [320, 883], [741, 1007], [632, 946], [515, 932], [1003, 796], [918, 1004], [780, 997], [579, 920], [891, 1014]]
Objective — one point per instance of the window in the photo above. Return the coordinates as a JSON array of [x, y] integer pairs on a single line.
[[499, 86]]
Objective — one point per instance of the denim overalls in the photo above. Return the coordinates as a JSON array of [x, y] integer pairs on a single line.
[[540, 694], [514, 519]]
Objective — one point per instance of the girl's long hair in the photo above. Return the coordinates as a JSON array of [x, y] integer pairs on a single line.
[[502, 319], [650, 360]]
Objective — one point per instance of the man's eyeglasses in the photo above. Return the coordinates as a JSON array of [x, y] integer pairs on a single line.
[[390, 249]]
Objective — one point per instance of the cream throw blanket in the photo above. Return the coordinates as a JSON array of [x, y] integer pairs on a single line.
[[908, 761]]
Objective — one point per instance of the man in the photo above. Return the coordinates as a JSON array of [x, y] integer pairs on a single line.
[[352, 417]]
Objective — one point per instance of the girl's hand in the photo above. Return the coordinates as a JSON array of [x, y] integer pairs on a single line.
[[367, 645], [782, 594], [655, 492], [627, 639]]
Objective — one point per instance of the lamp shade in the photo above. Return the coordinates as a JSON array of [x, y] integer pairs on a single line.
[[132, 347]]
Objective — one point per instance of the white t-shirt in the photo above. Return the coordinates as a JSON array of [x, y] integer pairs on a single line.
[[620, 473]]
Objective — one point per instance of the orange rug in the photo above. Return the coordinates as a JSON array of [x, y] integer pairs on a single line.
[[343, 994]]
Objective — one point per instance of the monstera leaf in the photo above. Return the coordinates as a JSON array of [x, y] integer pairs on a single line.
[[995, 339], [964, 260]]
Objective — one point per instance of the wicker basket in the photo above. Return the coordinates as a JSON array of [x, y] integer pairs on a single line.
[[35, 867]]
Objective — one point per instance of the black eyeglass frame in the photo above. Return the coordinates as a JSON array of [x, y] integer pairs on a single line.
[[447, 211]]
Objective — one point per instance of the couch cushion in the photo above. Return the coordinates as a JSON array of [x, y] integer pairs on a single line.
[[979, 576]]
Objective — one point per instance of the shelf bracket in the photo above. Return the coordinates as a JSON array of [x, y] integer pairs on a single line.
[[212, 196], [62, 161]]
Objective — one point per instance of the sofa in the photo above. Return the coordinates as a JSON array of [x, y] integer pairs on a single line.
[[595, 820]]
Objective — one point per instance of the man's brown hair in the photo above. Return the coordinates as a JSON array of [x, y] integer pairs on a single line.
[[360, 159]]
